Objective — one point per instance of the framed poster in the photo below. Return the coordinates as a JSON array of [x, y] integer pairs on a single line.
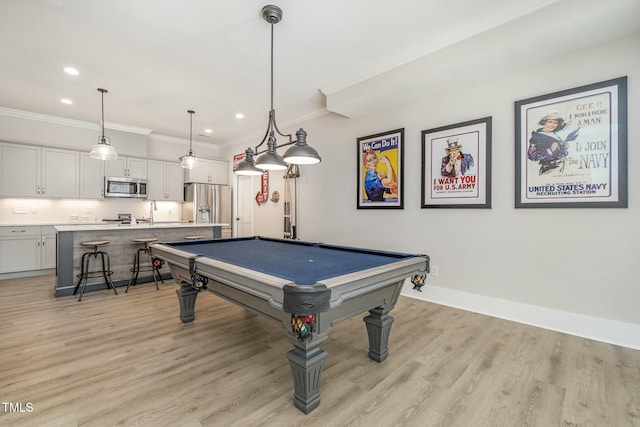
[[380, 170], [456, 165], [571, 148]]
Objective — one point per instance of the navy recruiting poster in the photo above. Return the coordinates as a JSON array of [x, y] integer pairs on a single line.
[[569, 148]]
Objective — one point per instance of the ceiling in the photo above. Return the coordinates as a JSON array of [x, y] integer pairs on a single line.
[[160, 58]]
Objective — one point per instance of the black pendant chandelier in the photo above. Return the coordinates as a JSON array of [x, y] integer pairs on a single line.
[[299, 153]]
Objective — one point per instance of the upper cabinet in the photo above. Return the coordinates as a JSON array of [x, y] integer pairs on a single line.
[[126, 167], [165, 181], [20, 168], [209, 171], [29, 171], [60, 173], [91, 177]]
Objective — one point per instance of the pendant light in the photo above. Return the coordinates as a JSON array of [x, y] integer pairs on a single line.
[[103, 150], [247, 167], [189, 161], [300, 153]]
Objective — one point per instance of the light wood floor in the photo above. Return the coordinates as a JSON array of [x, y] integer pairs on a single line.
[[128, 360]]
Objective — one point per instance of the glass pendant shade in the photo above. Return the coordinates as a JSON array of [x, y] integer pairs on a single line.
[[103, 150], [189, 161], [247, 167]]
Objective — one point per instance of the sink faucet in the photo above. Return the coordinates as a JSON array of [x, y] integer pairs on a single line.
[[152, 207]]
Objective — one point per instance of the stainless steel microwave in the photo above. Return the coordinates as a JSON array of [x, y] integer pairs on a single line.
[[125, 187]]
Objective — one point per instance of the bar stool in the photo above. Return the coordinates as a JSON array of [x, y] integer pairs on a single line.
[[85, 274], [153, 267], [194, 237]]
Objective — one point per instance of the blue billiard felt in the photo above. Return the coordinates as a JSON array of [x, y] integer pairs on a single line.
[[301, 262]]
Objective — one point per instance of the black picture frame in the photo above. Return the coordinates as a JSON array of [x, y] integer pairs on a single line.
[[462, 181], [380, 170], [571, 148]]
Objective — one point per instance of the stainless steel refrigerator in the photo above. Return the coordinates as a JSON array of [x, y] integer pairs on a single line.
[[208, 204]]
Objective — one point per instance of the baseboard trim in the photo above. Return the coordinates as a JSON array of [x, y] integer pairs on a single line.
[[595, 328], [30, 273]]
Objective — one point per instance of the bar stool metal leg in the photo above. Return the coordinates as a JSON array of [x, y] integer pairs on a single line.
[[85, 273], [107, 273], [135, 270]]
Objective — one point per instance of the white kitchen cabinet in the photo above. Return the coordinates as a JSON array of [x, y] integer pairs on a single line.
[[91, 177], [165, 181], [48, 247], [209, 171], [27, 248], [30, 171], [60, 173], [20, 248], [126, 167], [19, 170]]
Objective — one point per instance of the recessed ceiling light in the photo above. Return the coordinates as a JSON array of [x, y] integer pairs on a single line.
[[72, 71], [239, 116], [208, 131], [66, 101]]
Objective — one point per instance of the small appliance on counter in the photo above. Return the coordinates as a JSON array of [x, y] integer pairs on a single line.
[[124, 218]]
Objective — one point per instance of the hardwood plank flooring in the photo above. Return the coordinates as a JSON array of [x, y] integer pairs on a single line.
[[127, 360]]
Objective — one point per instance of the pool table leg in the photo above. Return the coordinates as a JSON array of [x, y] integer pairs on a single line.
[[306, 368], [187, 297], [378, 328]]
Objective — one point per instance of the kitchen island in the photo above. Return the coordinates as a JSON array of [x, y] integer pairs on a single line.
[[121, 249]]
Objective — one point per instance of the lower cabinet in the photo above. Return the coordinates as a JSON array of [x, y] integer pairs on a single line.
[[27, 248], [48, 248]]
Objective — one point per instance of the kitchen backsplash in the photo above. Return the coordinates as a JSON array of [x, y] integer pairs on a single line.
[[71, 211]]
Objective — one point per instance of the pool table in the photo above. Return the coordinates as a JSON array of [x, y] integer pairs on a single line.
[[305, 287]]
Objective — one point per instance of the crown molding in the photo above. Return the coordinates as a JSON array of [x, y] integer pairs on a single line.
[[180, 141], [70, 122], [165, 138], [127, 128]]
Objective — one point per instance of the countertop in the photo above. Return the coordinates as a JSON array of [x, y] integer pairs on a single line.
[[156, 225]]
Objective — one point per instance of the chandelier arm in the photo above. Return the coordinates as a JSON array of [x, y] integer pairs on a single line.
[[275, 126], [266, 134], [277, 146]]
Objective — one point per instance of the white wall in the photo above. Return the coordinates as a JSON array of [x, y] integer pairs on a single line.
[[549, 266]]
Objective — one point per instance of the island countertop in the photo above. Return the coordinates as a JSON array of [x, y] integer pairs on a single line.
[[140, 226]]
